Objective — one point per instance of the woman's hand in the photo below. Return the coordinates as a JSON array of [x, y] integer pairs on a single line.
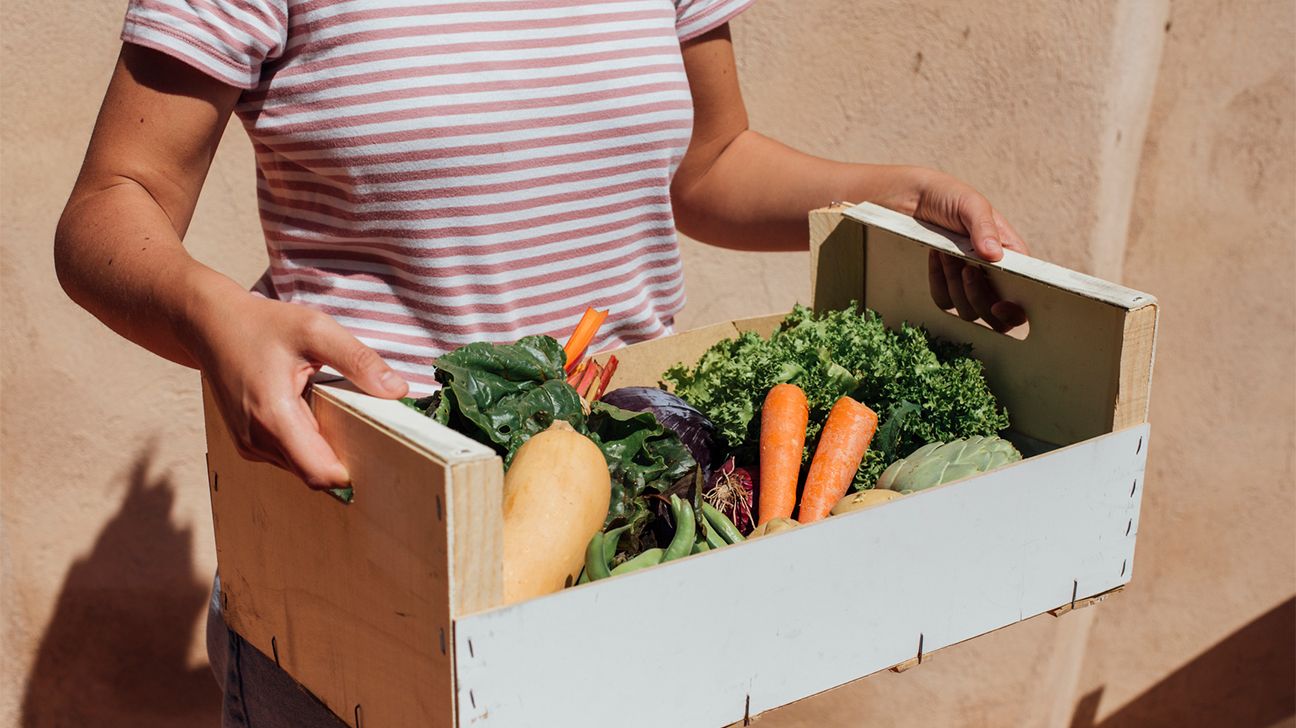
[[118, 253], [259, 356], [956, 286], [738, 189]]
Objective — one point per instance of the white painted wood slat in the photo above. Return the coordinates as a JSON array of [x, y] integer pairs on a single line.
[[702, 641]]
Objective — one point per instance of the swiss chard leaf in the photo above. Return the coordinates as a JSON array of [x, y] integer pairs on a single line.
[[502, 394], [643, 458]]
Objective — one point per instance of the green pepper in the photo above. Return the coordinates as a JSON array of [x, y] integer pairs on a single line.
[[685, 530]]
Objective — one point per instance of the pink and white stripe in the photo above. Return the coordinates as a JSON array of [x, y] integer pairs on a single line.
[[433, 173]]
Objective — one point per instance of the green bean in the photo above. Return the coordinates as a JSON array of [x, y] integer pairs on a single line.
[[595, 565], [722, 523], [610, 541], [712, 537], [700, 546], [651, 557], [685, 530]]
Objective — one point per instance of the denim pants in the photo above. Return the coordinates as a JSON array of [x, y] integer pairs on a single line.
[[258, 694]]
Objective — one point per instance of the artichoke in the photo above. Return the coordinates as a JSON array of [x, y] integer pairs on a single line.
[[942, 462]]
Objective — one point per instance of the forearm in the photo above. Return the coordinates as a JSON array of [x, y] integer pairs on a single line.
[[756, 194], [119, 256]]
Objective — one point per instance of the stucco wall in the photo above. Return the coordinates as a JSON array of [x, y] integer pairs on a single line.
[[1143, 141]]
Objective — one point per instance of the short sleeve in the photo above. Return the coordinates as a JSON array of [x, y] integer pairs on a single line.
[[695, 17], [226, 39]]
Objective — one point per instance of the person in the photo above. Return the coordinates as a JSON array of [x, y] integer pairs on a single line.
[[434, 173]]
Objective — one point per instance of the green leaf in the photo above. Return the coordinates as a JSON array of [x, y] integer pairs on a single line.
[[846, 352]]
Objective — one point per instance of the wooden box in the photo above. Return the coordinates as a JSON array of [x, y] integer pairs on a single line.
[[385, 608]]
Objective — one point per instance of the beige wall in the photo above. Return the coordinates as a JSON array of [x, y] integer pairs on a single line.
[[1149, 142]]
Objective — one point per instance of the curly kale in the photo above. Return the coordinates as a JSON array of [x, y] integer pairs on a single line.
[[923, 389]]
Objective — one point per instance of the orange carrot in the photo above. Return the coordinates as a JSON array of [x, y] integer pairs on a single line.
[[782, 440], [582, 336], [845, 439], [574, 374], [608, 369], [587, 380]]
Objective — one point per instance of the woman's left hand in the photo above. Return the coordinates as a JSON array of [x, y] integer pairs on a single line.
[[956, 285]]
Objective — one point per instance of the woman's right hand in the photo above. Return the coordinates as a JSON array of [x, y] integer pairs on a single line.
[[258, 355], [118, 253]]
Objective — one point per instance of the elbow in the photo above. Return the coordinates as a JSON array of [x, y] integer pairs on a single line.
[[66, 250], [688, 210]]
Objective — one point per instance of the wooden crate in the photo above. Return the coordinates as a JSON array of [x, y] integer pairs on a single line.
[[385, 608]]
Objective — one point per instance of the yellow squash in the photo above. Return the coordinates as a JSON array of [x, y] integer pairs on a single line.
[[556, 496]]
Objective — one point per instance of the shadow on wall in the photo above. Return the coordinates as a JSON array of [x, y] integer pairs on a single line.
[[1248, 679], [116, 650]]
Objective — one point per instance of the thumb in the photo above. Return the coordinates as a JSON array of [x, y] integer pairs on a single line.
[[977, 216], [329, 343]]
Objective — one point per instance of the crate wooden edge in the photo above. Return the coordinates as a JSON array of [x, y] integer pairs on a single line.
[[473, 491], [1013, 262], [467, 490]]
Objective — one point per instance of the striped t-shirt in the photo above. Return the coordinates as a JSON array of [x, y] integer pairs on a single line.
[[433, 173]]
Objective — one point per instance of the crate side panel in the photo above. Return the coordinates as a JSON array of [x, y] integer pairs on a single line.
[[761, 624], [352, 599], [1060, 384], [836, 259], [641, 365]]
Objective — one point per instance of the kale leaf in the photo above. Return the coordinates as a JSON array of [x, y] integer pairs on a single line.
[[845, 352]]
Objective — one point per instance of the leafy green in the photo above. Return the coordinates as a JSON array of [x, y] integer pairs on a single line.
[[502, 394], [644, 458], [846, 352]]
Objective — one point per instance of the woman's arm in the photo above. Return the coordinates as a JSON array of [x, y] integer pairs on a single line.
[[738, 189], [118, 253]]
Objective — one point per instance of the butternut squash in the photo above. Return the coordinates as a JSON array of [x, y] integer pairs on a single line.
[[556, 496]]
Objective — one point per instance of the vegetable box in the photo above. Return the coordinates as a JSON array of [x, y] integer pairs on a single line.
[[387, 608]]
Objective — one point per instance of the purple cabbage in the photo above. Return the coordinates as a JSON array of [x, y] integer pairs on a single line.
[[693, 428]]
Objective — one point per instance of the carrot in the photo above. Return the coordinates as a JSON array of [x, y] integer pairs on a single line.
[[588, 378], [845, 439], [582, 336], [608, 369], [782, 440], [574, 374]]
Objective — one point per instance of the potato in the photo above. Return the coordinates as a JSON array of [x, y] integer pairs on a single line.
[[860, 500], [773, 525]]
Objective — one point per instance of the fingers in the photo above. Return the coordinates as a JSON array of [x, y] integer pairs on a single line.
[[953, 270], [328, 343], [306, 452], [969, 292], [978, 218], [982, 296], [936, 281], [1008, 235], [284, 433]]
